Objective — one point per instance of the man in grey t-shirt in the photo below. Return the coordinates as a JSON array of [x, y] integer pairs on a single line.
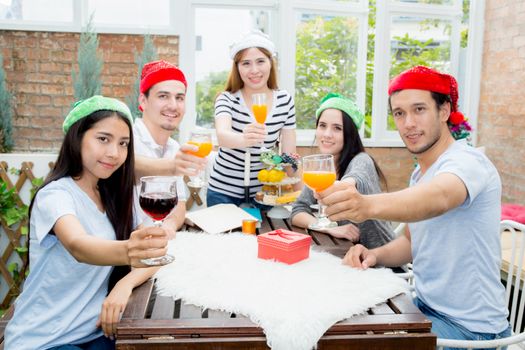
[[452, 207]]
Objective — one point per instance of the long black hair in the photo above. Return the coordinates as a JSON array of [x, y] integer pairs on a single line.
[[116, 192], [352, 146]]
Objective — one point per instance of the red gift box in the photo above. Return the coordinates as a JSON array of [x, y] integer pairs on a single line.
[[285, 246]]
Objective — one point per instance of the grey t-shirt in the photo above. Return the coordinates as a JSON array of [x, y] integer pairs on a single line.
[[373, 233]]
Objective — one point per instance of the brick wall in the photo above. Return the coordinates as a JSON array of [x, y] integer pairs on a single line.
[[38, 67], [502, 100]]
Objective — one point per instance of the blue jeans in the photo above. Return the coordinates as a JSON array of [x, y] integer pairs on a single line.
[[214, 198], [100, 343], [445, 328]]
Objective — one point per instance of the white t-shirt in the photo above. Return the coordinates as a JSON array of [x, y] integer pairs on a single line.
[[457, 255], [145, 145], [62, 297]]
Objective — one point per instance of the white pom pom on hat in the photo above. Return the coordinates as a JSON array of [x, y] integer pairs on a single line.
[[255, 38]]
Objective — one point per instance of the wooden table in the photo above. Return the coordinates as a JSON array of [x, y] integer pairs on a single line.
[[155, 322]]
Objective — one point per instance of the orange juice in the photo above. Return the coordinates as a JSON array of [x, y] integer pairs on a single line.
[[204, 148], [318, 180], [249, 226], [259, 111]]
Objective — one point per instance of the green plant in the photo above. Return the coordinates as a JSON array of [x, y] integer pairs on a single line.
[[6, 112], [11, 212], [86, 82], [207, 91], [325, 62], [148, 54], [14, 215]]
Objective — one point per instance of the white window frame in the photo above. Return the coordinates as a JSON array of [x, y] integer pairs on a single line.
[[187, 46], [452, 13], [182, 24], [81, 17], [291, 9]]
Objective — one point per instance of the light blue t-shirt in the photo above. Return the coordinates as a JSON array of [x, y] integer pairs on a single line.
[[457, 255], [62, 298]]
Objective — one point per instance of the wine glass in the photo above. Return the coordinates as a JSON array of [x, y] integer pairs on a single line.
[[318, 175], [158, 196], [201, 139], [260, 111]]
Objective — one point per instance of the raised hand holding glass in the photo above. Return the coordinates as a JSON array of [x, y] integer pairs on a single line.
[[201, 139], [318, 175], [260, 111]]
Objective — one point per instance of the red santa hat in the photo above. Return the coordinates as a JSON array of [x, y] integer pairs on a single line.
[[424, 78], [157, 71]]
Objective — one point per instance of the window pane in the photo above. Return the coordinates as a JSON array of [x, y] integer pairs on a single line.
[[419, 41], [130, 12], [37, 10], [213, 62], [326, 61], [433, 2]]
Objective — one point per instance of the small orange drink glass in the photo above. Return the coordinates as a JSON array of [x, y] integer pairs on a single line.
[[260, 112], [204, 148], [318, 180], [318, 175], [201, 139]]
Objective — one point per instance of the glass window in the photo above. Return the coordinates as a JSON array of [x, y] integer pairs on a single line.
[[432, 2], [36, 10], [130, 12], [419, 41], [212, 56], [325, 61]]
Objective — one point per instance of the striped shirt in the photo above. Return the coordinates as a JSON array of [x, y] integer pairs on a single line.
[[227, 175]]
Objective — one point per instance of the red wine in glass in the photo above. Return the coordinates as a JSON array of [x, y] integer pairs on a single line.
[[157, 205], [158, 197]]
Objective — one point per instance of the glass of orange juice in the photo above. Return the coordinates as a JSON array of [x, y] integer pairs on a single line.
[[201, 139], [318, 175], [260, 111]]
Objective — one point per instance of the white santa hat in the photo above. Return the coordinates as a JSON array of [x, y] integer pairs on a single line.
[[255, 38]]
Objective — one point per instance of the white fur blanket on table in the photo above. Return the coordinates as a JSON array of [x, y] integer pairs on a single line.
[[294, 304]]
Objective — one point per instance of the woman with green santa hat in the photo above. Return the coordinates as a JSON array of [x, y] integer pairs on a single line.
[[337, 133], [80, 226]]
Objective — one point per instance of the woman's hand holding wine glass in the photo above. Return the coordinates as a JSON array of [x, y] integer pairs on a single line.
[[158, 197], [254, 134], [145, 243]]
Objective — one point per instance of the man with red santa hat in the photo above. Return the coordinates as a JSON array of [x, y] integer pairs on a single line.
[[452, 208], [162, 101]]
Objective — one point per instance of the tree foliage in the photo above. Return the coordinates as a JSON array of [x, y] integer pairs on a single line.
[[207, 91], [87, 81], [325, 62], [6, 112], [148, 54]]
